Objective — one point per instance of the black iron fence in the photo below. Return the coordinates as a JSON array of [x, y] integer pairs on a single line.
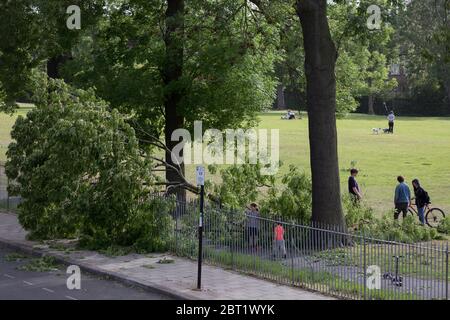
[[313, 256], [322, 258]]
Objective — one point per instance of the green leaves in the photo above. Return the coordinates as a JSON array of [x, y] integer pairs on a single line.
[[291, 200], [79, 170], [423, 35], [242, 184]]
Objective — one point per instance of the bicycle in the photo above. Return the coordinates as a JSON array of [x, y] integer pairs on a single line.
[[433, 216]]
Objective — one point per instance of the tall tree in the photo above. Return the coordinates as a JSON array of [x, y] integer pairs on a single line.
[[172, 71], [320, 61], [34, 34], [164, 64]]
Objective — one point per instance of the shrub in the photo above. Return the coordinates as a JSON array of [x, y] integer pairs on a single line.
[[408, 230], [240, 184], [356, 214], [360, 219], [444, 225], [293, 199]]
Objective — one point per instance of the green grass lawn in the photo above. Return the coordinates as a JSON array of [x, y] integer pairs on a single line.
[[6, 123], [420, 148]]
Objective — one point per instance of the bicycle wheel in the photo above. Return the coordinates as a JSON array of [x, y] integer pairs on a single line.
[[434, 217]]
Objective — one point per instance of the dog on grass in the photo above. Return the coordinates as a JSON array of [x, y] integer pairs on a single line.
[[379, 130], [376, 130]]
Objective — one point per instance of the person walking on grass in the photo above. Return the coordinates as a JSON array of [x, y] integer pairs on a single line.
[[422, 199], [353, 187], [391, 119], [279, 244], [252, 225], [402, 198]]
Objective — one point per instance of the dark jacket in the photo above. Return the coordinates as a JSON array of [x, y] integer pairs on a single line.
[[422, 197]]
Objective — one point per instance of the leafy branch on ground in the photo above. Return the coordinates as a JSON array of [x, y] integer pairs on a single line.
[[46, 263], [15, 257]]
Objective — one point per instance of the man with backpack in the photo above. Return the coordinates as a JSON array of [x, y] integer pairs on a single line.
[[422, 199]]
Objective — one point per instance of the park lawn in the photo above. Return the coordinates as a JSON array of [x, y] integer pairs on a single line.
[[6, 123], [420, 148]]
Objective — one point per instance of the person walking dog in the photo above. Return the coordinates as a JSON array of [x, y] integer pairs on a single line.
[[391, 119]]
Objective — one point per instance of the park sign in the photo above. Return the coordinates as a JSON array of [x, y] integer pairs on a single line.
[[200, 175], [200, 182]]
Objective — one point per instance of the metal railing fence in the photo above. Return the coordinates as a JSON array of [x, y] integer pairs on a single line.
[[318, 257]]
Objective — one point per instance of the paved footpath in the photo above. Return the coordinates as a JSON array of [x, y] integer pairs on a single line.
[[176, 279]]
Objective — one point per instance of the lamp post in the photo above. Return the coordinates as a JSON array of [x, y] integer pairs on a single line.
[[200, 182]]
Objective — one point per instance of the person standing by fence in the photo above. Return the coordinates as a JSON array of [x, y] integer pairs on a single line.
[[252, 226], [279, 243]]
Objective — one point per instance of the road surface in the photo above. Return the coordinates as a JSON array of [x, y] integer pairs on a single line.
[[51, 285]]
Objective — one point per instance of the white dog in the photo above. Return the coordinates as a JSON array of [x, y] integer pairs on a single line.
[[379, 130], [376, 130]]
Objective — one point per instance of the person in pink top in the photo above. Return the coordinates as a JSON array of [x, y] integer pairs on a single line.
[[279, 244]]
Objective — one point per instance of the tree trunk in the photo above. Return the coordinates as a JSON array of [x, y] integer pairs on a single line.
[[281, 105], [447, 90], [320, 60], [172, 73], [371, 98], [370, 109]]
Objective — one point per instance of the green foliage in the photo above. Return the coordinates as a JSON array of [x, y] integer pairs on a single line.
[[408, 230], [31, 32], [186, 233], [80, 172], [240, 184], [227, 65], [15, 257], [444, 225], [363, 55], [423, 34], [357, 215], [362, 67], [151, 228], [44, 264], [2, 98], [360, 219], [348, 80], [292, 200]]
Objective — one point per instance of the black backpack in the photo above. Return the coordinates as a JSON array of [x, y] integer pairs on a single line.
[[426, 197]]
